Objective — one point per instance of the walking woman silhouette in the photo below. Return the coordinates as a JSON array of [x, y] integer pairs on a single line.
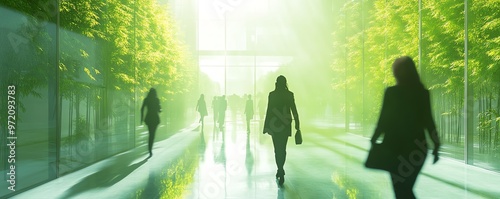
[[152, 119], [405, 115], [278, 122]]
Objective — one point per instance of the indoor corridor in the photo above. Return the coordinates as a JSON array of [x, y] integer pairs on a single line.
[[83, 82], [197, 163]]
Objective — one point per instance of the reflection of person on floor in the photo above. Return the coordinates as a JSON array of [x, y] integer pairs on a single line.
[[222, 111], [249, 111], [152, 116], [278, 122], [405, 114], [201, 107]]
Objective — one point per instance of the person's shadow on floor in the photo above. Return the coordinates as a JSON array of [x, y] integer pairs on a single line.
[[113, 172]]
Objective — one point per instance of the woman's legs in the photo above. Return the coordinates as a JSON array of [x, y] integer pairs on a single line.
[[152, 132], [279, 142], [403, 185]]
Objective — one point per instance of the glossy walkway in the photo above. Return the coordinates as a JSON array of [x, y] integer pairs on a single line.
[[197, 164]]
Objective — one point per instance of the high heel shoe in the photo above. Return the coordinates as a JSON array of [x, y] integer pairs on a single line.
[[280, 179]]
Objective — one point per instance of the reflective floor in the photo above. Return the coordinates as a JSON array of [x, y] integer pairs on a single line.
[[205, 162]]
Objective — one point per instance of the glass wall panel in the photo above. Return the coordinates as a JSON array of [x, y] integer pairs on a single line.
[[443, 70], [72, 77], [484, 80], [97, 107], [82, 93], [124, 121], [28, 95], [371, 34]]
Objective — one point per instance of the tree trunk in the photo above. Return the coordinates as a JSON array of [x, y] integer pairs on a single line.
[[497, 126], [490, 119]]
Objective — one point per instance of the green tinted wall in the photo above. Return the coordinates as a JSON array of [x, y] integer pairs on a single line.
[[74, 74]]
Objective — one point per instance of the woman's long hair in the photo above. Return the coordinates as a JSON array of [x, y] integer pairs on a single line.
[[405, 72], [281, 83], [152, 94]]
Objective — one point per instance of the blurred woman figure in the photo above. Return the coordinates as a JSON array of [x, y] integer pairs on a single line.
[[249, 111], [278, 122], [152, 116], [405, 115], [201, 107]]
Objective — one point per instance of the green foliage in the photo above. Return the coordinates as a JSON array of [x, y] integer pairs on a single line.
[[137, 48], [367, 44], [26, 59], [365, 47]]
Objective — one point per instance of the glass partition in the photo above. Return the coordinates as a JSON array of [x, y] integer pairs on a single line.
[[28, 113], [455, 47]]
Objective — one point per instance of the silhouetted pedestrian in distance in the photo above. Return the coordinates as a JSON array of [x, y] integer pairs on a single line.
[[278, 122], [405, 115], [249, 111], [152, 103], [222, 111], [215, 108], [201, 107]]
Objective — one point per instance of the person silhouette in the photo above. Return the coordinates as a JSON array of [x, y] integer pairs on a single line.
[[201, 107], [278, 122], [249, 111], [404, 117], [222, 105], [215, 109], [152, 118]]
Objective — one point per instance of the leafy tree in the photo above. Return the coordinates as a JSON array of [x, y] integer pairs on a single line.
[[392, 31]]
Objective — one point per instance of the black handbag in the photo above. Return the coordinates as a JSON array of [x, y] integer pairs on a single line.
[[298, 137], [382, 158]]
